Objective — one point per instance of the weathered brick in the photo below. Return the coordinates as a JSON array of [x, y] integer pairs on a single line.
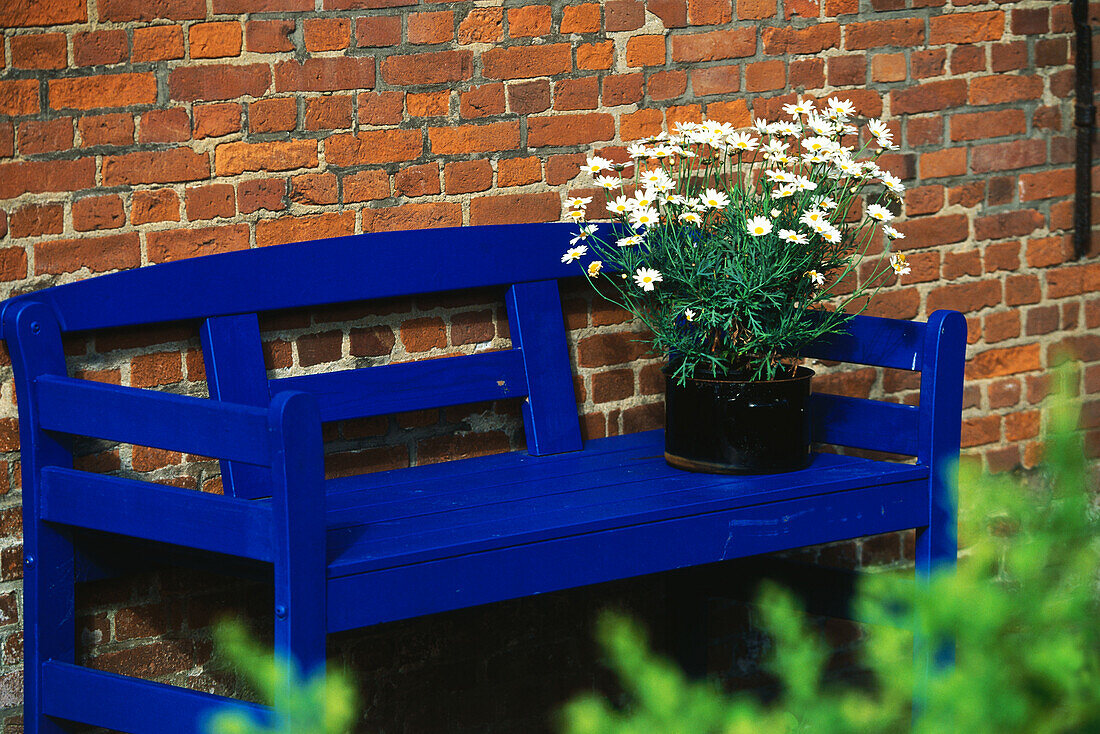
[[605, 350], [621, 89], [164, 126], [179, 244], [325, 74], [278, 114], [901, 32], [373, 146], [260, 193], [40, 51], [218, 81], [236, 7], [431, 27], [27, 13], [175, 165], [422, 180], [328, 113], [515, 208], [526, 98], [1003, 88], [327, 34], [428, 104], [161, 205], [518, 171], [465, 139], [381, 108], [934, 231], [111, 90], [1008, 224], [785, 40], [45, 136], [928, 97], [413, 216], [764, 76], [482, 25], [979, 125], [623, 15], [22, 177], [157, 43], [464, 177], [435, 67], [1003, 361], [97, 254], [272, 36], [482, 101], [968, 27], [144, 10], [216, 120], [1008, 156], [596, 56], [529, 21], [233, 158], [569, 129], [210, 201], [714, 45], [304, 229], [582, 18], [215, 40], [37, 219], [98, 212], [1046, 184], [524, 62], [645, 50], [941, 163]]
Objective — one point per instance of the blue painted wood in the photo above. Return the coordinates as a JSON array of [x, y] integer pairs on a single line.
[[157, 512], [535, 568], [537, 327], [299, 532], [844, 421], [150, 418], [132, 705], [394, 388], [235, 373], [874, 341], [315, 273], [34, 341]]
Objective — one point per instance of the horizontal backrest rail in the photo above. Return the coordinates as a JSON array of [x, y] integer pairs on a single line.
[[150, 418], [407, 386], [157, 512], [875, 341], [864, 424]]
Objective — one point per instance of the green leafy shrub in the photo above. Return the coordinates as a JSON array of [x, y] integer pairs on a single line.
[[1022, 610], [321, 704]]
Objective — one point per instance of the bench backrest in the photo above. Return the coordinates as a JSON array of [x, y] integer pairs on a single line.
[[227, 291]]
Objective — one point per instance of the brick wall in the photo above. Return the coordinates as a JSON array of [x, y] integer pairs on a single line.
[[140, 131]]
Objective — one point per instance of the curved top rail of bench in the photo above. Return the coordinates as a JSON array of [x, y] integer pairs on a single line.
[[334, 270]]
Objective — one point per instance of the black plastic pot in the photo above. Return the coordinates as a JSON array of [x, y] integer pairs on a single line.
[[725, 426]]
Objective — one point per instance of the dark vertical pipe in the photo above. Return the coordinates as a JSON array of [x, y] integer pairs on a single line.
[[1085, 120]]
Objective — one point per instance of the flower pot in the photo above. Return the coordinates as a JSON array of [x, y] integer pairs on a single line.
[[730, 426]]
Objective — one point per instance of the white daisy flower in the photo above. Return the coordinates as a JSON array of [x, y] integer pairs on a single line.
[[816, 278], [596, 164], [574, 253], [742, 142], [820, 125], [841, 108], [797, 238], [775, 213], [577, 215], [804, 184], [715, 199], [879, 213], [583, 234], [877, 128], [654, 177], [784, 191], [691, 218], [643, 199], [779, 176], [646, 277], [892, 182], [630, 241], [824, 202], [578, 202], [812, 217], [759, 226], [689, 315], [607, 182], [803, 107], [830, 235], [817, 144], [643, 217], [594, 268], [786, 129], [899, 264], [637, 150], [621, 205], [892, 233]]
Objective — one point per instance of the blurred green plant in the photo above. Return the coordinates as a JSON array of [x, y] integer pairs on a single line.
[[321, 704], [1022, 610]]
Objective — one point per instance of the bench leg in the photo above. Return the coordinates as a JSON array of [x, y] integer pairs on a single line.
[[48, 613], [936, 552]]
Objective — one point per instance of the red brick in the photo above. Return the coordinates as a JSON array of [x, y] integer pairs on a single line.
[[1021, 289], [97, 254], [154, 206], [465, 139], [426, 28], [422, 180], [45, 136], [320, 348], [373, 146], [18, 97], [765, 76], [23, 177], [515, 208], [424, 334], [37, 219], [209, 202], [966, 27], [1001, 326], [273, 114], [979, 125], [482, 101], [1015, 223], [569, 129], [165, 126], [303, 229], [784, 40], [40, 51], [980, 431], [157, 43], [113, 90], [269, 36], [98, 212], [847, 70], [755, 9], [215, 40], [464, 177], [260, 193], [597, 56], [940, 163], [623, 15], [325, 74], [1002, 256], [328, 113], [216, 120], [524, 62], [648, 122], [453, 446], [645, 51], [233, 158], [673, 13], [378, 31], [1072, 281], [604, 350], [1003, 361], [475, 327], [1047, 251], [621, 89], [428, 68], [13, 263], [928, 97], [927, 63], [381, 108], [1010, 56], [413, 216], [482, 25], [888, 67], [934, 231], [7, 141], [26, 13], [923, 200], [1004, 393], [529, 21], [1046, 184], [218, 81], [902, 32], [127, 10], [175, 165], [583, 18], [527, 98], [236, 7], [96, 48], [374, 341], [428, 104], [327, 34], [179, 244], [1003, 88], [1008, 156], [966, 59], [518, 171]]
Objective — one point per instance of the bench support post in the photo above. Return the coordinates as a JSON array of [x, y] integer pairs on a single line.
[[299, 532], [34, 338]]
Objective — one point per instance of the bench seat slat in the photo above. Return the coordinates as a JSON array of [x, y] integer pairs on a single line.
[[406, 386], [588, 502], [567, 561], [157, 512]]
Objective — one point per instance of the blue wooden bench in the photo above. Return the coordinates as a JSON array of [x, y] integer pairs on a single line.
[[362, 550]]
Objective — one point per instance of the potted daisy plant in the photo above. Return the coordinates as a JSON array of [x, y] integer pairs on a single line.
[[736, 249]]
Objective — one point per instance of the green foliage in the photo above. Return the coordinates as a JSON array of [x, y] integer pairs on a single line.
[[738, 249], [323, 704], [1022, 610]]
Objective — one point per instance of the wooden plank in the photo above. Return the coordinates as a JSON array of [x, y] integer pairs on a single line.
[[865, 424], [335, 270], [34, 340], [874, 341], [537, 326], [395, 388], [235, 373], [151, 418], [122, 703], [562, 563], [157, 512]]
